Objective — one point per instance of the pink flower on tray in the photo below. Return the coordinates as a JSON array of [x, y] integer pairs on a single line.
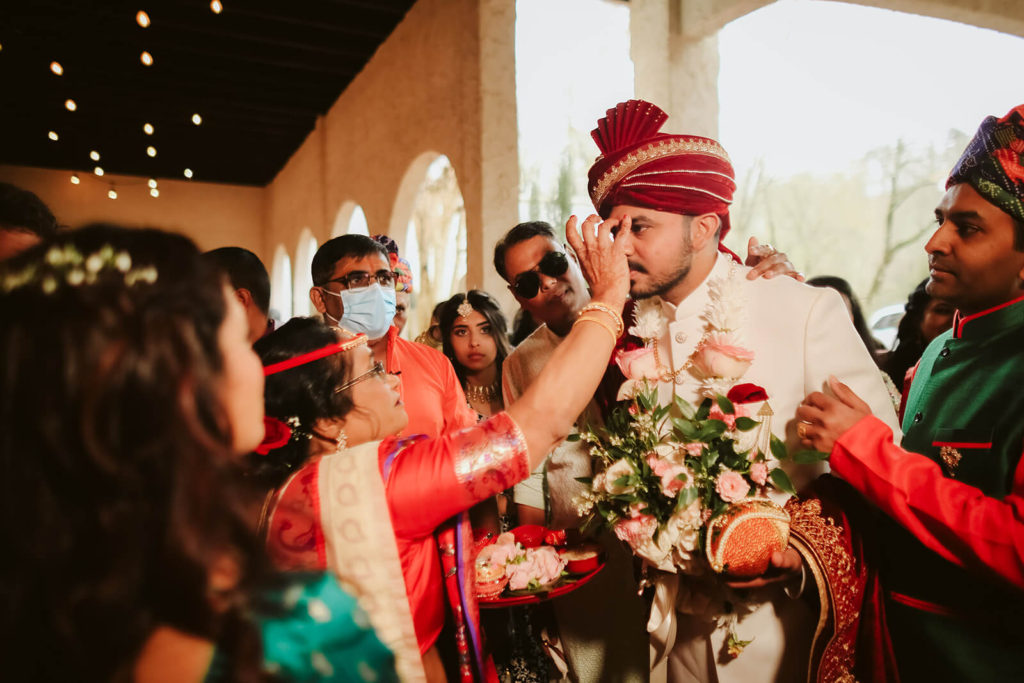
[[694, 448], [542, 565], [721, 356], [759, 473], [638, 363], [730, 420], [731, 486]]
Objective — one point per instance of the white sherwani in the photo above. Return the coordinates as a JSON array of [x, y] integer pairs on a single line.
[[799, 336]]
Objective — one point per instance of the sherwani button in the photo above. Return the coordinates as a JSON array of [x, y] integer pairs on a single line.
[[944, 352], [680, 337], [917, 418]]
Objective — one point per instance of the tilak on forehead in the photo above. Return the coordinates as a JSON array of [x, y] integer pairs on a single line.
[[639, 166], [993, 163]]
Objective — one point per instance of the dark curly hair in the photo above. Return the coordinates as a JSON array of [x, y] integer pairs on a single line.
[[488, 307], [119, 488], [305, 392]]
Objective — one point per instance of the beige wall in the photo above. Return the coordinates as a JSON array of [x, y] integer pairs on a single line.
[[442, 83], [212, 214]]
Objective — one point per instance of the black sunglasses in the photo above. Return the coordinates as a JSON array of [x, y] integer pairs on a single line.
[[553, 264]]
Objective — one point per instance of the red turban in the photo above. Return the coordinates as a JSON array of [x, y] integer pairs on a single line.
[[639, 166]]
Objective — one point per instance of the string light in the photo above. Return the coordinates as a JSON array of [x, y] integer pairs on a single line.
[[70, 105], [154, 192], [146, 58], [94, 155], [53, 135], [188, 172], [216, 6], [112, 193], [142, 19], [98, 170], [147, 129], [56, 68], [197, 119], [152, 183], [151, 151], [75, 179]]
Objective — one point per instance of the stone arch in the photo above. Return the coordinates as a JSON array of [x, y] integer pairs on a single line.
[[302, 278], [281, 285], [350, 220], [432, 237]]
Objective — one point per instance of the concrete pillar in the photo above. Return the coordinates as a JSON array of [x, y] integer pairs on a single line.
[[675, 68], [494, 208]]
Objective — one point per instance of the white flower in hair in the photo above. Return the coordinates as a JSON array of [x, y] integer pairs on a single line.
[[649, 321]]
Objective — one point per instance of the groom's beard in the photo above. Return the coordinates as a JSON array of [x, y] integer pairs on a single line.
[[660, 285]]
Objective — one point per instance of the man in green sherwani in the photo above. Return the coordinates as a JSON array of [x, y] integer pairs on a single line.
[[953, 495]]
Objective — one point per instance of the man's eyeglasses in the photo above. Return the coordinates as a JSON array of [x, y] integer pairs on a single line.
[[553, 264], [361, 278], [377, 369]]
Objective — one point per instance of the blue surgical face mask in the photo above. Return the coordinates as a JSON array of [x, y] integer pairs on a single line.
[[369, 310]]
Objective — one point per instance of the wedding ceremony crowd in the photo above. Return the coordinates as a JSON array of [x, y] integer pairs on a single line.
[[680, 463]]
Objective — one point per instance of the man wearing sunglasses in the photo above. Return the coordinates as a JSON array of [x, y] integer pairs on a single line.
[[354, 288]]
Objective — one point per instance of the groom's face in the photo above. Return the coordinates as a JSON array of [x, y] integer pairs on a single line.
[[659, 250]]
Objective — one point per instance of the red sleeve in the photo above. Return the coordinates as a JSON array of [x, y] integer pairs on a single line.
[[431, 480], [951, 518]]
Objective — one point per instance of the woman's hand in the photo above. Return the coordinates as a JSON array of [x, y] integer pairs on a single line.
[[823, 419], [766, 261], [602, 258]]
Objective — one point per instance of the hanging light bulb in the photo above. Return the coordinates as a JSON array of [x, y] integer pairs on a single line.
[[142, 19], [53, 135], [94, 155], [98, 170], [112, 193], [152, 183], [151, 151], [188, 172], [56, 68], [147, 129], [75, 179], [146, 58], [154, 192], [70, 105], [197, 119], [216, 6]]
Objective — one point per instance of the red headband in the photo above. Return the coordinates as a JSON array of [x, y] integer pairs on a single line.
[[316, 354]]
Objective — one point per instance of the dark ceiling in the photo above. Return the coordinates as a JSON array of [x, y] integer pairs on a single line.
[[258, 74]]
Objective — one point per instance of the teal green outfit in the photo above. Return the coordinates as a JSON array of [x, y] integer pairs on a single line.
[[965, 411], [314, 631]]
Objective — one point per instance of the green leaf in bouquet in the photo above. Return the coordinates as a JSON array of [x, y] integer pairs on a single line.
[[575, 436], [809, 456], [686, 428], [585, 480], [781, 481], [686, 496], [704, 410], [711, 429], [778, 448], [621, 481], [685, 409], [725, 404], [745, 424], [626, 497]]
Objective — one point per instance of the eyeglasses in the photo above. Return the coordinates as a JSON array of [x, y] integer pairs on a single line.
[[375, 371], [553, 264], [360, 278]]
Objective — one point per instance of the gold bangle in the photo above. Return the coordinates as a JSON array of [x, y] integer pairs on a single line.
[[597, 321], [600, 307]]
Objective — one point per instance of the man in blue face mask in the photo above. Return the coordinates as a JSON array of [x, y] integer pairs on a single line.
[[354, 288]]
